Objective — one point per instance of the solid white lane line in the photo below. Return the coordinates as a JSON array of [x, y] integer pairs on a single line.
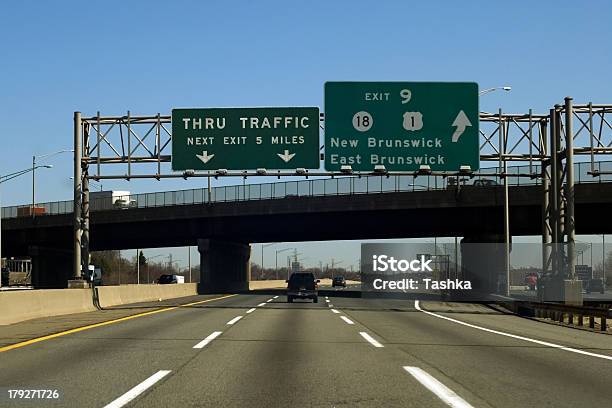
[[275, 297], [137, 390], [261, 304], [370, 339], [234, 320], [335, 311], [514, 336], [442, 391], [207, 340], [251, 310], [347, 320]]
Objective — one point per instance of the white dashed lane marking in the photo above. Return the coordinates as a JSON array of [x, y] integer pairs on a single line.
[[347, 320], [447, 395], [234, 320], [207, 340], [137, 390], [370, 339]]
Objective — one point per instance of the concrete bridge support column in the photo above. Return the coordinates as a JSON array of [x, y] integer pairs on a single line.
[[51, 267], [483, 263], [224, 266]]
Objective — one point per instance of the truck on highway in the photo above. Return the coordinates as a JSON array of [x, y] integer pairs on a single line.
[[110, 200], [28, 211], [302, 285]]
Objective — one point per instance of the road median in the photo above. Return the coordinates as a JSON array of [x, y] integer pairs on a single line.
[[18, 306]]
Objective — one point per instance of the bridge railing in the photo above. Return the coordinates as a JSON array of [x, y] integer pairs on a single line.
[[305, 188]]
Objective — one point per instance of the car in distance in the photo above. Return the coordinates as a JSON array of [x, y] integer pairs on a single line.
[[302, 285], [4, 276], [595, 285], [485, 183], [169, 279], [531, 281], [338, 281]]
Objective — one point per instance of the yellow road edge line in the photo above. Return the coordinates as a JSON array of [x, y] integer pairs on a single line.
[[105, 323]]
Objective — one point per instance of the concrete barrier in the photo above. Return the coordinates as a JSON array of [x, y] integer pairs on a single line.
[[267, 284], [126, 294], [17, 306]]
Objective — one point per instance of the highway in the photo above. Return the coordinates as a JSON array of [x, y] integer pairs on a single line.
[[256, 350]]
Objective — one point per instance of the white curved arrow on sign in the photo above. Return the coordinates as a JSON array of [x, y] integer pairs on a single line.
[[461, 121]]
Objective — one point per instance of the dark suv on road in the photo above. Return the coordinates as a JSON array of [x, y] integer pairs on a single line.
[[167, 279], [302, 285], [338, 281]]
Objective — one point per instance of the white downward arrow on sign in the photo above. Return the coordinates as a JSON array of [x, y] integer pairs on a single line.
[[286, 157], [205, 157], [461, 121]]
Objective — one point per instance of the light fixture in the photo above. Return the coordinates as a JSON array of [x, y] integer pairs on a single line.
[[489, 90], [346, 169], [380, 168], [424, 169]]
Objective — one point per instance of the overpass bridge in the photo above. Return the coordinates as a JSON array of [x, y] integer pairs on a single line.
[[224, 222]]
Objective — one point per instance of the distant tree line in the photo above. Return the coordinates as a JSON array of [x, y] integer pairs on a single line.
[[259, 273], [117, 270]]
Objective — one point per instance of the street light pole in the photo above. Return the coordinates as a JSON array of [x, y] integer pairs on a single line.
[[138, 266], [34, 174], [0, 242], [33, 180], [276, 259], [262, 254], [502, 141]]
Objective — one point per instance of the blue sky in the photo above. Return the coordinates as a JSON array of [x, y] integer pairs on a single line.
[[148, 56]]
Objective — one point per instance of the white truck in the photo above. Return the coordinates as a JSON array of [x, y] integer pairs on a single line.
[[94, 275], [110, 200]]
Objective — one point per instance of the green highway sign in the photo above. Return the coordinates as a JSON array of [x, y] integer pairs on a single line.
[[245, 138], [401, 125]]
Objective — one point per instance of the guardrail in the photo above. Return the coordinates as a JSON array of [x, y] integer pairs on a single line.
[[307, 188], [572, 315]]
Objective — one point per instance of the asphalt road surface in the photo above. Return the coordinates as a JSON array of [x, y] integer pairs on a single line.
[[256, 350]]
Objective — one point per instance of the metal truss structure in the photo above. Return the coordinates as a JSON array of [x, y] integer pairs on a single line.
[[144, 142], [140, 146], [574, 130]]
